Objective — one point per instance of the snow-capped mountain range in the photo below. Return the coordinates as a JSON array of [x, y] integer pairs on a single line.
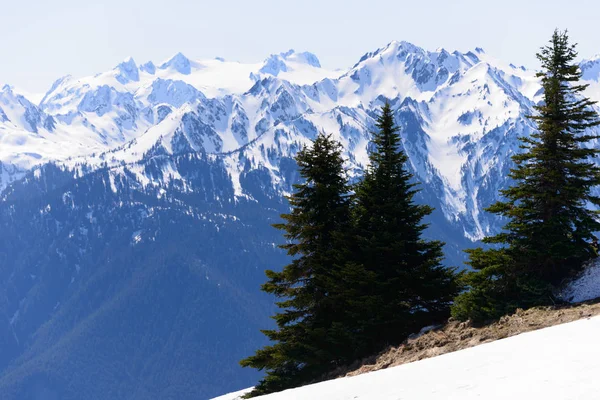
[[461, 114], [136, 205]]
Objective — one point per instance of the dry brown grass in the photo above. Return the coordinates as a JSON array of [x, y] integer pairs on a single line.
[[461, 335]]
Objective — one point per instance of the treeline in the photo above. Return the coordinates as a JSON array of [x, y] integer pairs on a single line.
[[550, 230], [362, 276]]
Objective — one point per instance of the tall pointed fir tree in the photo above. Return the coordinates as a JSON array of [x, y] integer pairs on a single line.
[[308, 341], [409, 288], [549, 224]]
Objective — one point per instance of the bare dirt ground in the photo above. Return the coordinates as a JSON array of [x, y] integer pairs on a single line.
[[461, 335]]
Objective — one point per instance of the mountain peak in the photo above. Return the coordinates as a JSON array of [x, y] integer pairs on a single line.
[[590, 68], [127, 71], [148, 67], [304, 57], [391, 49], [9, 92], [277, 63], [179, 63], [402, 45]]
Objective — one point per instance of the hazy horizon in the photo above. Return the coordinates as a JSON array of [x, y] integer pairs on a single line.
[[70, 37]]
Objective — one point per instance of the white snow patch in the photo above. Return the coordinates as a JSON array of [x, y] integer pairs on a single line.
[[559, 362], [136, 237], [15, 317], [233, 396], [585, 287]]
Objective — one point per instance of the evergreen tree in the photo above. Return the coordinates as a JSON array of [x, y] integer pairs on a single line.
[[310, 336], [549, 226], [408, 287]]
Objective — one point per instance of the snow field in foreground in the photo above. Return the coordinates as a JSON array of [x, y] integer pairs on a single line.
[[560, 362]]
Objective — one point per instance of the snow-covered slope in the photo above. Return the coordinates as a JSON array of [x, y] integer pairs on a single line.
[[78, 117], [560, 362], [461, 115]]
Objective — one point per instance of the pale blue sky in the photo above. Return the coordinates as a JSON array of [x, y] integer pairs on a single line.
[[42, 40]]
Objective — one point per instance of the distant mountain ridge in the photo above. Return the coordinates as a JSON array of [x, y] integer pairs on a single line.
[[469, 106]]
